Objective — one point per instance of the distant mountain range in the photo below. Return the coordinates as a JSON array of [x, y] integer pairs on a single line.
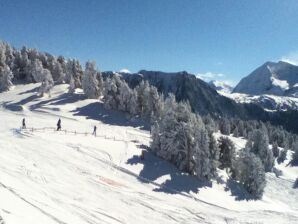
[[205, 100], [280, 79]]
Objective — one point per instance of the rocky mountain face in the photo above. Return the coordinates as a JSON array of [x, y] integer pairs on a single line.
[[280, 79]]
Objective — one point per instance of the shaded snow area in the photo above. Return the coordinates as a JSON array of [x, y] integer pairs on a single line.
[[67, 177]]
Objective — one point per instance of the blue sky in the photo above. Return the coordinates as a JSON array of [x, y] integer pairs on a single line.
[[221, 39]]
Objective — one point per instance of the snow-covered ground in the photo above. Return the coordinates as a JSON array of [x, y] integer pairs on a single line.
[[62, 177]]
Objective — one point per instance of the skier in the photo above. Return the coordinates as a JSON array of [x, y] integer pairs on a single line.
[[142, 155], [94, 130], [23, 123], [59, 125]]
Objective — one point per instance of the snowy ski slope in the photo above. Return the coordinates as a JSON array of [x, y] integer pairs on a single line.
[[67, 177]]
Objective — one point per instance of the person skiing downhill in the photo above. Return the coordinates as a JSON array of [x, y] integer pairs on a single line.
[[59, 125], [94, 130], [23, 123]]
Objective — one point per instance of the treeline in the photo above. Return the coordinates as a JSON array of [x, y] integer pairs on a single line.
[[179, 136]]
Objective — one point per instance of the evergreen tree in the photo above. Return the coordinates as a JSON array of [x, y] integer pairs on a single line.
[[225, 127], [249, 171], [295, 154], [214, 154], [89, 82], [261, 148], [6, 77], [275, 150], [235, 132], [282, 156], [71, 88], [58, 72], [227, 152], [111, 92], [47, 82]]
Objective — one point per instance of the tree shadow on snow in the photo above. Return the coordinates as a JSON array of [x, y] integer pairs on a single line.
[[238, 191], [34, 90], [96, 111], [65, 98], [154, 168], [27, 100]]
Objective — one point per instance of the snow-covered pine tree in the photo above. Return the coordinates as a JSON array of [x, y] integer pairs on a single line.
[[74, 69], [36, 69], [153, 104], [236, 132], [261, 148], [241, 128], [133, 105], [100, 83], [58, 72], [2, 54], [227, 152], [71, 87], [111, 92], [203, 164], [249, 171], [143, 90], [124, 96], [47, 82], [89, 81], [225, 126], [155, 144], [183, 144], [275, 150], [42, 75], [166, 130], [6, 77], [214, 154]]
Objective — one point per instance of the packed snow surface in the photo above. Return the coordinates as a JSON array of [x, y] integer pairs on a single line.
[[73, 177]]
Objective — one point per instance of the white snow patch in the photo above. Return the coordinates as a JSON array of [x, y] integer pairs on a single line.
[[124, 70], [283, 84]]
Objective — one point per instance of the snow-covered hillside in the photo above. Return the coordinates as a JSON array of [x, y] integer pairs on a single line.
[[279, 79], [68, 177], [268, 102]]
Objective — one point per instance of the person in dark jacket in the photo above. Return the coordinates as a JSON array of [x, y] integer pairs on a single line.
[[94, 130], [24, 123], [59, 125]]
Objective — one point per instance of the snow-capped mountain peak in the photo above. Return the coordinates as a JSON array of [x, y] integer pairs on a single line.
[[279, 79]]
